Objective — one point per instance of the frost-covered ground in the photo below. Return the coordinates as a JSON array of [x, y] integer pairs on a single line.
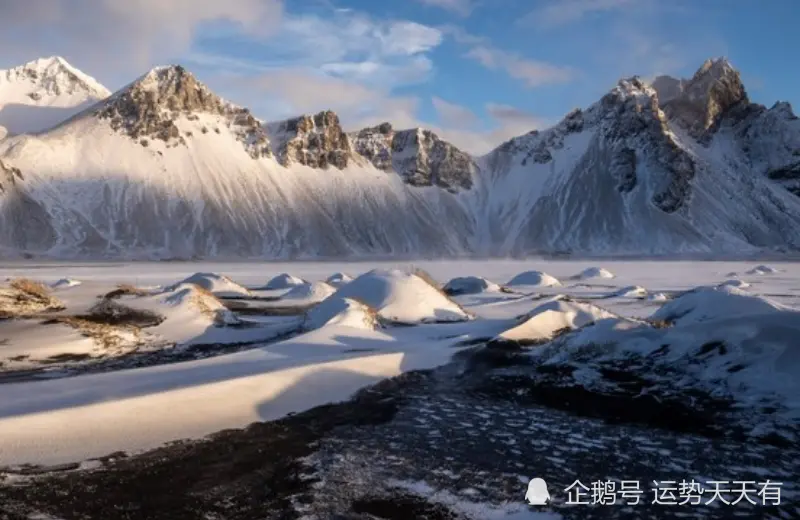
[[563, 370]]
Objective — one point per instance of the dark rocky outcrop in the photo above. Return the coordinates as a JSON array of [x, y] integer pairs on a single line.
[[419, 156], [149, 107], [315, 141]]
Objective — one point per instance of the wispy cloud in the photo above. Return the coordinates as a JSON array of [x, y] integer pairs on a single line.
[[460, 7], [451, 114], [137, 33], [533, 73], [561, 12]]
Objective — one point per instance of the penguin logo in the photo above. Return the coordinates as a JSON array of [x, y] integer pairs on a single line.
[[537, 494]]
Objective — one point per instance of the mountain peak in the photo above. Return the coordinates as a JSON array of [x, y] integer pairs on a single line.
[[699, 103], [52, 76], [150, 106]]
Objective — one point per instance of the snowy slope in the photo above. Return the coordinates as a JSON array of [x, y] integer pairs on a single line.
[[40, 94], [166, 169]]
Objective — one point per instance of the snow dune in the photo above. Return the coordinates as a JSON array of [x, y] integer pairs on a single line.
[[284, 281], [219, 285], [402, 297], [470, 285], [534, 279], [547, 319], [594, 272]]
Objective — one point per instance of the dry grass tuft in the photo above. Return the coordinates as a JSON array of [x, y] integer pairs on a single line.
[[109, 312], [108, 336], [26, 298], [30, 288], [125, 289]]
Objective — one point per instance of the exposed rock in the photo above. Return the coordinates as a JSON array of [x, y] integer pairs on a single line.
[[149, 107], [623, 165], [375, 144], [315, 141], [417, 155], [632, 114], [703, 100]]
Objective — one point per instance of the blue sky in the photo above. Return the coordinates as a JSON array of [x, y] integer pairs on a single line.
[[477, 71]]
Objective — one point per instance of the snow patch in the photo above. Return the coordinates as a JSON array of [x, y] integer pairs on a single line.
[[217, 284], [65, 283], [549, 318], [762, 270], [470, 285], [594, 272], [339, 311], [339, 279], [309, 292], [534, 279], [713, 303], [284, 281], [403, 297]]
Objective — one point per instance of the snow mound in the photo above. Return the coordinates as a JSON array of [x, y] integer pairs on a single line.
[[632, 291], [339, 279], [23, 297], [315, 292], [217, 284], [284, 281], [344, 312], [657, 297], [711, 303], [64, 283], [191, 299], [737, 284], [595, 272], [403, 297], [763, 269], [535, 279], [470, 285], [550, 318], [732, 361]]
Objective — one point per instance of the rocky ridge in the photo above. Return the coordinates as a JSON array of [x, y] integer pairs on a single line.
[[149, 107], [419, 156]]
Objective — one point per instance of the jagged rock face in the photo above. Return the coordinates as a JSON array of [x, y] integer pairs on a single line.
[[417, 155], [702, 101], [633, 115], [315, 141], [8, 176], [375, 145], [425, 160], [147, 109], [771, 142]]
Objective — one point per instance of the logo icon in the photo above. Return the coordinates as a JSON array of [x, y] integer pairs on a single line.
[[537, 494]]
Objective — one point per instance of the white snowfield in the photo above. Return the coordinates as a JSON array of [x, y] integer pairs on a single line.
[[347, 342]]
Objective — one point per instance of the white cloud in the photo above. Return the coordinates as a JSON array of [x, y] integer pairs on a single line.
[[533, 73], [563, 12], [113, 36], [451, 114], [461, 7]]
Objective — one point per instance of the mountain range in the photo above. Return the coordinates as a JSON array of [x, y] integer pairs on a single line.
[[165, 168]]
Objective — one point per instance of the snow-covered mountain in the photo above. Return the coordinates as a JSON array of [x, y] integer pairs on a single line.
[[40, 94], [166, 168]]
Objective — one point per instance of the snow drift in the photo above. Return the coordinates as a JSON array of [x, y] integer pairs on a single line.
[[534, 279], [470, 285], [217, 284], [402, 297], [551, 318]]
